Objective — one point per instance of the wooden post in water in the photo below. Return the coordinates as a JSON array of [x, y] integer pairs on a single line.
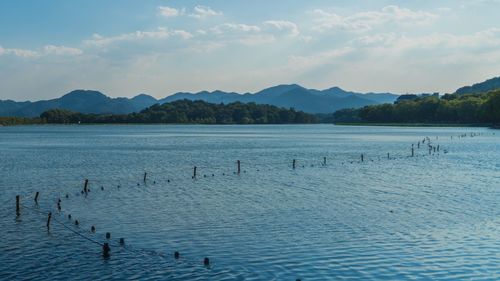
[[194, 172], [324, 161], [239, 166], [85, 186], [36, 197], [105, 250], [293, 164], [388, 156], [412, 152], [206, 261], [18, 209], [418, 145], [362, 157], [145, 176], [48, 220]]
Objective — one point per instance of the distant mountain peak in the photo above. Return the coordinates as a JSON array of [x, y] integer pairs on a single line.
[[85, 94], [143, 97]]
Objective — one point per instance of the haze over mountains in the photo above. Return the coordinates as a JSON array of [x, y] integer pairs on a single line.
[[296, 96]]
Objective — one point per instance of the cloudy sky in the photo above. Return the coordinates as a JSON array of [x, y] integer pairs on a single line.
[[126, 47]]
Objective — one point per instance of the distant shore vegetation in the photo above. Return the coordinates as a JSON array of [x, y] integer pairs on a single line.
[[188, 112], [466, 109]]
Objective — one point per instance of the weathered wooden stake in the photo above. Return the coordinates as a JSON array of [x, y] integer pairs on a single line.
[[36, 197], [85, 186], [362, 157], [145, 175], [105, 250], [388, 155], [412, 152], [324, 161], [194, 172], [293, 163], [239, 166], [18, 209], [48, 219]]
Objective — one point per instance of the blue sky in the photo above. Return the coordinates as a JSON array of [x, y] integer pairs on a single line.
[[123, 48]]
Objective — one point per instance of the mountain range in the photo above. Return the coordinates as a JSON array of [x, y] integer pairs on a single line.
[[288, 96]]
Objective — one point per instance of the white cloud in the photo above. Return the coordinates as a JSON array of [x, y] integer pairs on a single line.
[[201, 12], [23, 53], [286, 26], [364, 21], [183, 34], [45, 51], [489, 38], [160, 33], [234, 27], [169, 12], [61, 50]]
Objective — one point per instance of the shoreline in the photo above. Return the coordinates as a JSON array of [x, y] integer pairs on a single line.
[[417, 125]]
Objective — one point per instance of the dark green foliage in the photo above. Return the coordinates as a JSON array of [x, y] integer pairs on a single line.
[[483, 87], [10, 121], [192, 112], [457, 109]]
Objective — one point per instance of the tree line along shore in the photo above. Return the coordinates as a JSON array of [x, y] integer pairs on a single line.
[[482, 109], [178, 112]]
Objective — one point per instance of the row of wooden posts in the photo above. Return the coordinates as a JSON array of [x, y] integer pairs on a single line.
[[106, 249]]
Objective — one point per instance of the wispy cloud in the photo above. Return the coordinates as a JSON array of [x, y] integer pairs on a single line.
[[285, 26], [201, 12], [61, 50], [160, 33], [45, 51], [169, 11], [364, 21]]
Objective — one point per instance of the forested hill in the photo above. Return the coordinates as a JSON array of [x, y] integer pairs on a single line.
[[480, 108], [189, 112]]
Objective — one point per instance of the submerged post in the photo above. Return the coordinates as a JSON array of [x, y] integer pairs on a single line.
[[412, 152], [145, 175], [388, 156], [206, 261], [324, 161], [239, 166], [18, 209], [194, 172], [48, 219], [362, 157], [293, 164], [36, 197]]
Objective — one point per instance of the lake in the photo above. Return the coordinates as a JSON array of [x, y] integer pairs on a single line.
[[429, 217]]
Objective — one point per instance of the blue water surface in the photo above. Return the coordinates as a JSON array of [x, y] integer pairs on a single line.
[[430, 217]]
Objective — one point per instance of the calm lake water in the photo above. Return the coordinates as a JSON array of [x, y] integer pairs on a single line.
[[431, 217]]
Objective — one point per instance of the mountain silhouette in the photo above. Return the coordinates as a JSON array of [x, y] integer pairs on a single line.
[[288, 96]]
